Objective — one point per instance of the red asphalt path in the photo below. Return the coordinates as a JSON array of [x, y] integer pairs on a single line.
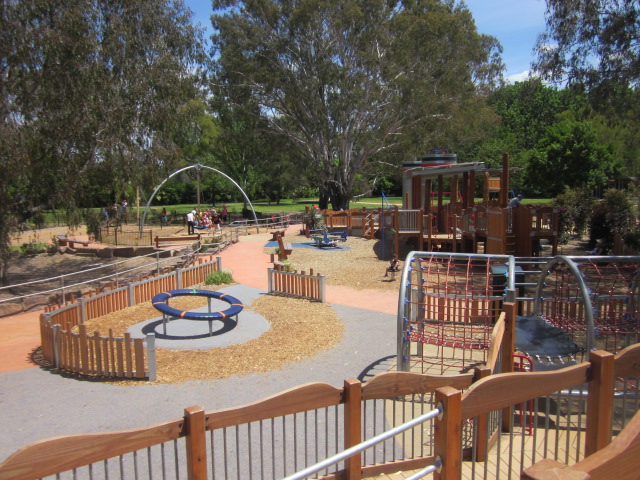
[[20, 334]]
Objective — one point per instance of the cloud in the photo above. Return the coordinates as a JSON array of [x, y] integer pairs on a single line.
[[519, 77]]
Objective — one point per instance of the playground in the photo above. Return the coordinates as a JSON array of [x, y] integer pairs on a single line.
[[352, 335]]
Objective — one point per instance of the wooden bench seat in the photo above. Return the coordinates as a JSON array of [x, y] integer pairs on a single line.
[[275, 234], [285, 248], [64, 241], [172, 241]]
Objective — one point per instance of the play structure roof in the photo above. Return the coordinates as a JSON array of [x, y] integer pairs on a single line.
[[444, 170]]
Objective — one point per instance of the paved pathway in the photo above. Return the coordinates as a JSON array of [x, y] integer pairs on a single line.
[[36, 404], [20, 335]]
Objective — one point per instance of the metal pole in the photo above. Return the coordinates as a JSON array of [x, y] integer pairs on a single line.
[[349, 452], [62, 288]]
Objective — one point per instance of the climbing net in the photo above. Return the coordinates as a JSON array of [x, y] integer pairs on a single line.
[[451, 302], [612, 289]]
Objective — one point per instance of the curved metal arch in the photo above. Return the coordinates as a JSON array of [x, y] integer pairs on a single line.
[[198, 166], [584, 291]]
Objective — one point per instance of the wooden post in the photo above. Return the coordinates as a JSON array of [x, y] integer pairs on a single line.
[[507, 350], [421, 229], [504, 181], [441, 214], [194, 425], [396, 228], [448, 434], [471, 189], [599, 401], [486, 188], [352, 426], [481, 428], [453, 195]]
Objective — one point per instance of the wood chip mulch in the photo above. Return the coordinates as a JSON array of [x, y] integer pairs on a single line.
[[299, 329]]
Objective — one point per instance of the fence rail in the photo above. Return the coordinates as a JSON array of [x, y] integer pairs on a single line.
[[295, 429], [297, 284]]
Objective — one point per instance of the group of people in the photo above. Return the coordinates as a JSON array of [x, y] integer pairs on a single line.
[[206, 219], [115, 210]]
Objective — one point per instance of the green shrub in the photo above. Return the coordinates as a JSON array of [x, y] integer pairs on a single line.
[[632, 239], [93, 219], [576, 205], [219, 277], [32, 248], [612, 216]]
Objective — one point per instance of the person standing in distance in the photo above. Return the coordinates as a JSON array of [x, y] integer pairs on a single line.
[[190, 220]]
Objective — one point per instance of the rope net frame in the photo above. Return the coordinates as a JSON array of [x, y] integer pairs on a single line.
[[609, 318], [448, 306]]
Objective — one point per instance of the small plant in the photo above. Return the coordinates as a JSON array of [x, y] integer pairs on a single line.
[[287, 266], [32, 248], [218, 278]]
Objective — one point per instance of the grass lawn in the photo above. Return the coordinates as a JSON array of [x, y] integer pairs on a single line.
[[57, 218]]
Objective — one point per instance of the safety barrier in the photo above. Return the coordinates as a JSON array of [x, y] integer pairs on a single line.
[[479, 434], [297, 284], [110, 356]]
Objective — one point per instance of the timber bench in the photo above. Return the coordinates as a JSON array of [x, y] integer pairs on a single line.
[[174, 241], [285, 248], [63, 241], [275, 234]]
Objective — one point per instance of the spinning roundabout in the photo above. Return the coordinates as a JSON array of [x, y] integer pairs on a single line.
[[215, 325], [161, 303]]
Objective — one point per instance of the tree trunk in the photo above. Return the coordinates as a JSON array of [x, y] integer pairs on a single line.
[[323, 200], [4, 269]]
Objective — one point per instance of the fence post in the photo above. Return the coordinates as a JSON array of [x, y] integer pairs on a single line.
[[508, 347], [448, 433], [62, 289], [323, 290], [352, 426], [83, 310], [219, 263], [56, 348], [178, 278], [131, 292], [480, 439], [269, 280], [151, 356], [194, 425], [599, 401]]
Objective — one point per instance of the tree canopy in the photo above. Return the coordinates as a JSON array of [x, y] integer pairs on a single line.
[[88, 87], [348, 81], [591, 42]]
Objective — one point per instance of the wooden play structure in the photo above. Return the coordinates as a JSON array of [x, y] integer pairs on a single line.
[[427, 222]]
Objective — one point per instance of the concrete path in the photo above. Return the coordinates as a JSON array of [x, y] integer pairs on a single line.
[[36, 404]]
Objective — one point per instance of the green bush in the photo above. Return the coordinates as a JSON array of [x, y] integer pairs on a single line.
[[218, 278], [576, 205], [612, 216], [32, 248]]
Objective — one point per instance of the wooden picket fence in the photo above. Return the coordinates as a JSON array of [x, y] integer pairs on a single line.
[[297, 284], [223, 444], [109, 356], [95, 354]]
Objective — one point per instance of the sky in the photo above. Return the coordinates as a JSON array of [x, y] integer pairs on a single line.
[[515, 23]]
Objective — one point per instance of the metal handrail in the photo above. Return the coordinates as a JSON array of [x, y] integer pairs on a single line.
[[356, 449], [64, 287]]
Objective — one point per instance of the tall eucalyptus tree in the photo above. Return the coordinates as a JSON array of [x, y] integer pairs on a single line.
[[86, 85], [349, 81]]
